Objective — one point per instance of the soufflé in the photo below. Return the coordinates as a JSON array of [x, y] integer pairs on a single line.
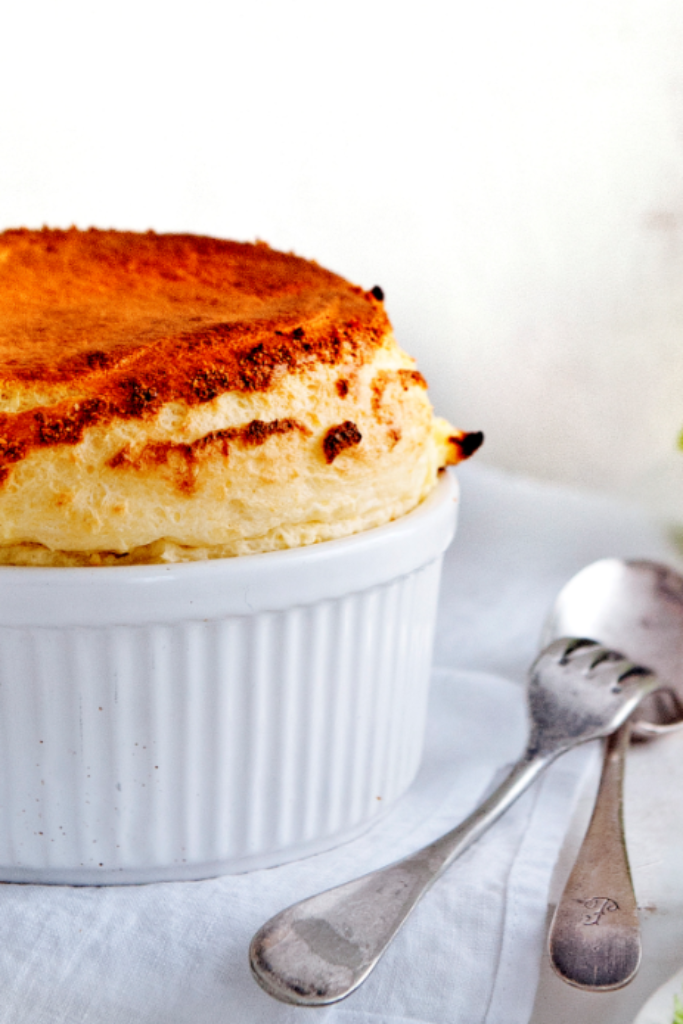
[[168, 398]]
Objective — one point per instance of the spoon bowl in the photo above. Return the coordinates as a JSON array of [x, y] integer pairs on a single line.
[[635, 607]]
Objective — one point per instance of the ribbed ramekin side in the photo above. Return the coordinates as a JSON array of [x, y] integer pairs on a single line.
[[22, 756], [182, 750], [418, 604]]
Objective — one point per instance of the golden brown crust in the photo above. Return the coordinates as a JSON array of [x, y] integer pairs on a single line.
[[104, 325], [464, 444], [337, 438], [181, 462], [172, 398]]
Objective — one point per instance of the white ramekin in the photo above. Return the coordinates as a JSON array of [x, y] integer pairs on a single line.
[[183, 721]]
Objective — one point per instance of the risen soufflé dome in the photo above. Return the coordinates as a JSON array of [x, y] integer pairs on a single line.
[[173, 397]]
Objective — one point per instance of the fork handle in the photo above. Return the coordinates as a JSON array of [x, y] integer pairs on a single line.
[[318, 951], [449, 847], [595, 933]]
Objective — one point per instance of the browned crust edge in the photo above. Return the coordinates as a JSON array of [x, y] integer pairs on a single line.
[[310, 317]]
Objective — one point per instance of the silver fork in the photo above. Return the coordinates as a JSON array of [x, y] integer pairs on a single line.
[[320, 950]]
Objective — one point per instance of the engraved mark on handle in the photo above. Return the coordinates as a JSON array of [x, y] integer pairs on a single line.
[[597, 906]]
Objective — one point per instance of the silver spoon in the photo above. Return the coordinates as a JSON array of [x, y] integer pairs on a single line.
[[320, 950], [637, 608]]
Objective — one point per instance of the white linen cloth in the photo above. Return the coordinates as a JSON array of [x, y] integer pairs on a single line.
[[176, 953]]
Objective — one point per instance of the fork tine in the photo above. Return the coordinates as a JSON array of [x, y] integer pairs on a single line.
[[592, 655], [614, 657], [568, 645]]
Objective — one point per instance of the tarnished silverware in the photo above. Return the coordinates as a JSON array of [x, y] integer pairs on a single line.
[[637, 608], [321, 949], [594, 938]]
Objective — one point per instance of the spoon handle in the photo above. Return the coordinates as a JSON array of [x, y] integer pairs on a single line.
[[595, 933], [320, 950]]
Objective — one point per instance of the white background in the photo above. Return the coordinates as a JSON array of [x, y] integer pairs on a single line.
[[510, 173]]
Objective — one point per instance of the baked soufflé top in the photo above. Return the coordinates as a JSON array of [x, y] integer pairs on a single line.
[[138, 372]]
